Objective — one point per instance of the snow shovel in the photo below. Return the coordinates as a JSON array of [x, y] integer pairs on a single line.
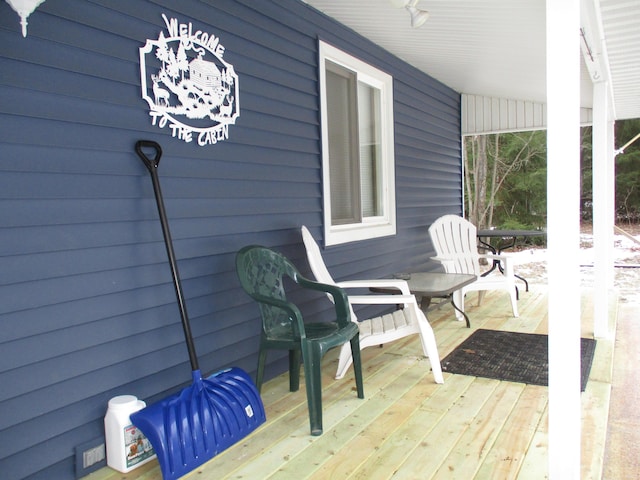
[[211, 414]]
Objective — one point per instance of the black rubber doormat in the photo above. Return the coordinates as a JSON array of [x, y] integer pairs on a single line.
[[510, 356]]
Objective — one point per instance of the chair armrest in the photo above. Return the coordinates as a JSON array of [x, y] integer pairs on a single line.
[[446, 262], [503, 256], [442, 260], [505, 259], [381, 299], [340, 300], [396, 283], [291, 310]]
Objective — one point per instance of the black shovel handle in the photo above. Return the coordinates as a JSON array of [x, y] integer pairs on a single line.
[[152, 166]]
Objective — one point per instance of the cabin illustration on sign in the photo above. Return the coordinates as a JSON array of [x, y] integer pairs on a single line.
[[204, 74]]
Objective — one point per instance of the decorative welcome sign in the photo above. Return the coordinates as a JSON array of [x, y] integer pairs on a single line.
[[187, 84]]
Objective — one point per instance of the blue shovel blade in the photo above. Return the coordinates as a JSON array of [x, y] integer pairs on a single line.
[[193, 426]]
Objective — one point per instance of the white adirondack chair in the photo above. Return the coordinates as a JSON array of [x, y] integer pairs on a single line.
[[379, 330], [455, 241]]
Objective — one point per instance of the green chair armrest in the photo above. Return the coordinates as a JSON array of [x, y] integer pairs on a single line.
[[340, 300]]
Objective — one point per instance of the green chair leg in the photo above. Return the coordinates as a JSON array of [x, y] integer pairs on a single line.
[[311, 358], [262, 356], [357, 365], [294, 370]]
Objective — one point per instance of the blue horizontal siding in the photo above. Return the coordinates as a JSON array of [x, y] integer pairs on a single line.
[[87, 303]]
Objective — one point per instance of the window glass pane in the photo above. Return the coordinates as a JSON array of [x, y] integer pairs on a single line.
[[370, 150], [343, 153]]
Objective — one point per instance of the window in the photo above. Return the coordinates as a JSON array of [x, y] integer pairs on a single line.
[[357, 148]]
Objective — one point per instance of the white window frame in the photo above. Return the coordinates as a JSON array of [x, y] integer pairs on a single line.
[[369, 227]]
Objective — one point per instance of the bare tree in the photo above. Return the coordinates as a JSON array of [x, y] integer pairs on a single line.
[[489, 166], [477, 178]]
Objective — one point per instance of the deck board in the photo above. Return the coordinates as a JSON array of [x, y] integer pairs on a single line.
[[507, 454], [479, 438], [405, 440], [353, 443], [409, 427], [437, 446]]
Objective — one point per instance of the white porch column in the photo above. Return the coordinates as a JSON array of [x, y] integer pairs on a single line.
[[563, 234], [603, 189]]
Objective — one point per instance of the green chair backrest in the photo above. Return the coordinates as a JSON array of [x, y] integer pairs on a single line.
[[262, 274]]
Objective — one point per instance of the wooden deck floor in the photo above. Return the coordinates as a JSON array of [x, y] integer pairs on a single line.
[[407, 426]]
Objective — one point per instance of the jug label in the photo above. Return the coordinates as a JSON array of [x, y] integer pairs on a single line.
[[137, 446]]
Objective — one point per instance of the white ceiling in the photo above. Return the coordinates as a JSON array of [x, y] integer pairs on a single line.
[[497, 48]]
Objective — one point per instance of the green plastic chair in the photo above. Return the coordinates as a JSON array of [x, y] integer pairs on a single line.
[[262, 273]]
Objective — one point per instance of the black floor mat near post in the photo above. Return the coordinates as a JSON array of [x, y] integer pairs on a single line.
[[511, 356]]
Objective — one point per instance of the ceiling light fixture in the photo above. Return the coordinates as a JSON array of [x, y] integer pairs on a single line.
[[418, 16]]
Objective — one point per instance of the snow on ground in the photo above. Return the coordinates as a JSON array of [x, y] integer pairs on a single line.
[[531, 263]]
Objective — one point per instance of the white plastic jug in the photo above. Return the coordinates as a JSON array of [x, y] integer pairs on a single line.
[[127, 447]]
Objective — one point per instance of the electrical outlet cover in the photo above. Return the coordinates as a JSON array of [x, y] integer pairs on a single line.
[[90, 456]]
